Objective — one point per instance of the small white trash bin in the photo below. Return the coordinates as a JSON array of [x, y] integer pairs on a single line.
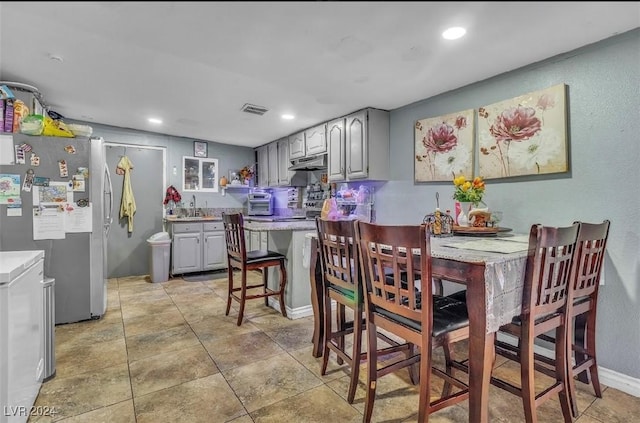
[[160, 254]]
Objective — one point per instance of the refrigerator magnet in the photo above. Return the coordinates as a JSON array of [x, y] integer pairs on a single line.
[[41, 181], [28, 180], [19, 155], [78, 183], [64, 172], [35, 160], [70, 149]]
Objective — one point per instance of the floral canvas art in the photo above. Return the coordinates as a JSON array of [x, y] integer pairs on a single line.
[[524, 136], [444, 147]]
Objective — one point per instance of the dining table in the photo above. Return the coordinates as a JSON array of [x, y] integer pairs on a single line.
[[492, 268]]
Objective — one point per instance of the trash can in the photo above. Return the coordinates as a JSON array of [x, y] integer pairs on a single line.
[[160, 253], [49, 328]]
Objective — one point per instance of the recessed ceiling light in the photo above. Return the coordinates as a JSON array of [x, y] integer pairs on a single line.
[[287, 116], [156, 121], [454, 33]]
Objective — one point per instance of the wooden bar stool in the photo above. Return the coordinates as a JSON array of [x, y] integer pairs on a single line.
[[239, 258]]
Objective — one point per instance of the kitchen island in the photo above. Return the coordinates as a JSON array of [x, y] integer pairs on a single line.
[[288, 238]]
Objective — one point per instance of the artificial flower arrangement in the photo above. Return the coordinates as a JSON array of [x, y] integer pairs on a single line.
[[469, 191], [246, 174]]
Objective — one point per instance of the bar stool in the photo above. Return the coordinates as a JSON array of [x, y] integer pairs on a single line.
[[239, 258]]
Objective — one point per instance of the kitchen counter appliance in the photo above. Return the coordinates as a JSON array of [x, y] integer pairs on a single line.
[[260, 204]]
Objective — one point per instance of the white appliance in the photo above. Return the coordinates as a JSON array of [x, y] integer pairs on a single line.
[[77, 262], [260, 204], [21, 332]]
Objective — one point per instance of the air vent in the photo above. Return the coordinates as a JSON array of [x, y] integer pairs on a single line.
[[256, 110]]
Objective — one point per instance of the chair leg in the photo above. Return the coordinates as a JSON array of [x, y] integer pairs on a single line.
[[414, 369], [356, 352], [283, 284], [372, 373], [340, 328], [425, 383], [527, 378], [327, 332], [563, 370], [448, 358], [230, 282], [591, 351], [265, 276], [243, 296]]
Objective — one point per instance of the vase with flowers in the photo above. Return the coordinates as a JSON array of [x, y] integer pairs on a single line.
[[246, 175], [469, 194]]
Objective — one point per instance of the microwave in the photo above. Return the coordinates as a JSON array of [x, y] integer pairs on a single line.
[[260, 204]]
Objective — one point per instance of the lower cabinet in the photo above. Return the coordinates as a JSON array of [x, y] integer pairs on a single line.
[[255, 240], [197, 246]]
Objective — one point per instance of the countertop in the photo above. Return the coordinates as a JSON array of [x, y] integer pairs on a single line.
[[193, 219], [297, 225]]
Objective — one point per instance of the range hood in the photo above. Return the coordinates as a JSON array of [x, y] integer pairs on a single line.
[[309, 163]]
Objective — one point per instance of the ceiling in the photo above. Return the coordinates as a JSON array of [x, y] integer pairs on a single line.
[[195, 64]]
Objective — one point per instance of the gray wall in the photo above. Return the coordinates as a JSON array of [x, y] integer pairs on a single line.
[[604, 100], [230, 157]]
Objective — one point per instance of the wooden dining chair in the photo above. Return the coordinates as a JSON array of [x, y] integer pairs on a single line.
[[585, 280], [396, 262], [342, 284], [546, 306], [239, 258]]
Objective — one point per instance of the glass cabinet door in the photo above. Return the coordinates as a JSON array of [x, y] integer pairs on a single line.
[[199, 174]]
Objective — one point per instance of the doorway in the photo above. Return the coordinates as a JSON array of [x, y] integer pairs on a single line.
[[128, 253]]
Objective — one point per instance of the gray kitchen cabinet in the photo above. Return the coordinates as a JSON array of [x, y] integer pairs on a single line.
[[256, 240], [335, 146], [296, 146], [284, 175], [272, 149], [263, 165], [366, 146], [315, 140], [197, 246], [186, 248], [214, 253]]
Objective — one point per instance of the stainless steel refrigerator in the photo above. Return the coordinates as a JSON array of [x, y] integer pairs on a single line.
[[77, 262]]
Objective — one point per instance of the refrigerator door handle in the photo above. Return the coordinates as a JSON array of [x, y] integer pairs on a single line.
[[109, 217]]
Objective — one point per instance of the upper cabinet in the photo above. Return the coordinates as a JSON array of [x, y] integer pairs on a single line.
[[199, 174], [263, 165], [359, 146], [296, 146], [284, 176], [272, 149], [316, 140]]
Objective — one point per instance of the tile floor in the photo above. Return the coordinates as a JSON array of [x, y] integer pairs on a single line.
[[166, 352]]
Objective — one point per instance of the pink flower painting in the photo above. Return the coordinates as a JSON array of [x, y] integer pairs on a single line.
[[524, 136], [444, 147]]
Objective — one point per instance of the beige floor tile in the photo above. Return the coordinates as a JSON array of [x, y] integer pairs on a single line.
[[206, 400], [268, 381], [292, 337], [216, 327], [334, 370], [242, 419], [139, 325], [147, 308], [169, 369], [149, 344], [241, 349], [121, 412], [87, 332], [180, 287], [319, 405], [615, 407], [90, 357], [85, 392]]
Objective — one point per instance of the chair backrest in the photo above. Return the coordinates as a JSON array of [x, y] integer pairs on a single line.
[[548, 270], [396, 262], [234, 237], [338, 254], [592, 242]]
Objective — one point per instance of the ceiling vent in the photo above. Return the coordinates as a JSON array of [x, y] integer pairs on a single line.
[[256, 110]]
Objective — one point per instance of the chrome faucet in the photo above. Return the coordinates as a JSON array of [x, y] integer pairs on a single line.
[[193, 205]]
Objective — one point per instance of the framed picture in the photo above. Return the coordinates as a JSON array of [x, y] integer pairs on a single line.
[[200, 149], [526, 135], [444, 147]]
